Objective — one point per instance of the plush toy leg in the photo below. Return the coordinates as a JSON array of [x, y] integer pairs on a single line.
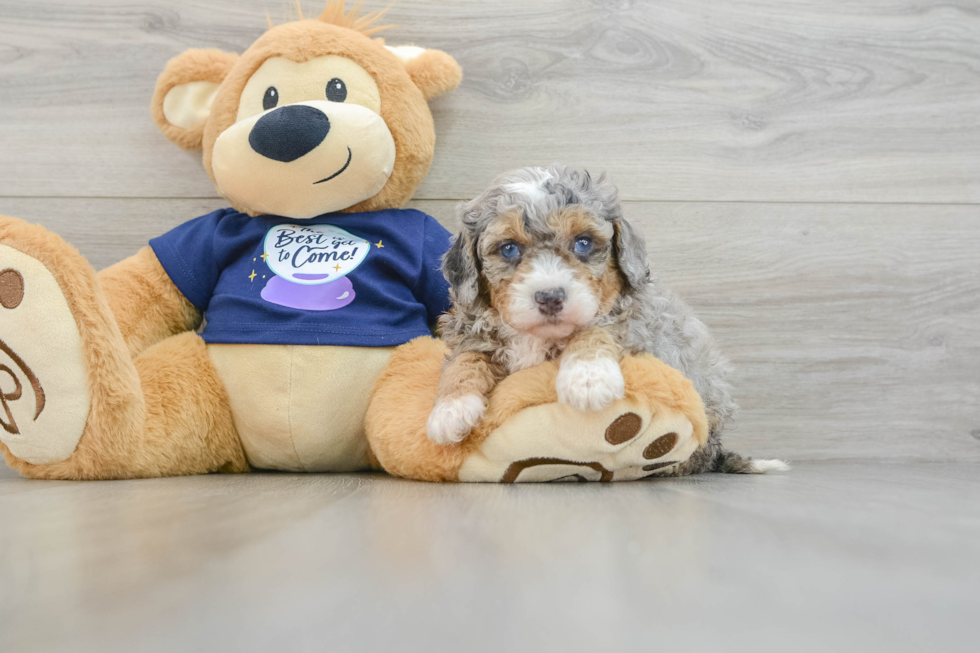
[[73, 403], [656, 427], [395, 423], [526, 435]]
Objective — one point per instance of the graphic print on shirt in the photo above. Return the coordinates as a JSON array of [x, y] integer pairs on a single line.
[[311, 264]]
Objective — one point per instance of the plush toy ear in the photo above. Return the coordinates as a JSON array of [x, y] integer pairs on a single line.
[[433, 71], [184, 93]]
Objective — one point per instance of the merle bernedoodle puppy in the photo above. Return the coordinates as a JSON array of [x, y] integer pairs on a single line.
[[545, 267]]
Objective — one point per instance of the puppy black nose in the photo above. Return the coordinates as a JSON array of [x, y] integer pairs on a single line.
[[289, 132], [550, 300]]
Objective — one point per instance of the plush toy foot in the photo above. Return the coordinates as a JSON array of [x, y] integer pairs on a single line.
[[625, 441], [69, 390], [74, 404], [44, 398]]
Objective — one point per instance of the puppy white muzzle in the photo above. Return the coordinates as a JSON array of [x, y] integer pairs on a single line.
[[550, 301]]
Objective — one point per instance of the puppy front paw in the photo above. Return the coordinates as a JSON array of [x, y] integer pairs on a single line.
[[590, 384], [452, 419]]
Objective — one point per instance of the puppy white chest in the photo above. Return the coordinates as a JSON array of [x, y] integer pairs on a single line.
[[524, 350]]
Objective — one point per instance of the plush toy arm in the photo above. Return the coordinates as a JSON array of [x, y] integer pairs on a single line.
[[145, 302]]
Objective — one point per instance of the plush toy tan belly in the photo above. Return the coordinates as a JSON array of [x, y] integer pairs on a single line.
[[316, 136], [301, 408]]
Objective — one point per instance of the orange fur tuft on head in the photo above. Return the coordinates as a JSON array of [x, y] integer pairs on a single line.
[[335, 14]]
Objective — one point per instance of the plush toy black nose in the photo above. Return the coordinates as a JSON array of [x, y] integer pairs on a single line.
[[550, 300], [289, 132]]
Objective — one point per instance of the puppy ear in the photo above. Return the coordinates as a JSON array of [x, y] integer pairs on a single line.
[[631, 254], [433, 71], [460, 269], [184, 93]]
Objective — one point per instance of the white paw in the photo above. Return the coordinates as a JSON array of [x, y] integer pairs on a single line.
[[771, 465], [589, 384], [452, 419]]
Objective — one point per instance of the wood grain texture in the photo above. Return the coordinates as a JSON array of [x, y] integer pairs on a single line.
[[830, 557], [854, 328], [764, 100]]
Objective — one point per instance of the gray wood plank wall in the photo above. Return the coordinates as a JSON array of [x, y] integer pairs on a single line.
[[807, 173]]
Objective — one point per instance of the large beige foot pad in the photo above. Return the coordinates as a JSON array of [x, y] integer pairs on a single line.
[[44, 396], [555, 442], [526, 435]]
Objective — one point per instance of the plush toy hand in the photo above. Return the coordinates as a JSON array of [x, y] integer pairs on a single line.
[[589, 384]]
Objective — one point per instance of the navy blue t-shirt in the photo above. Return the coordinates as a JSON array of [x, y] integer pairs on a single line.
[[357, 279]]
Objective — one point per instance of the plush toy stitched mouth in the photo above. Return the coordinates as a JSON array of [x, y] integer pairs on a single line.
[[349, 156]]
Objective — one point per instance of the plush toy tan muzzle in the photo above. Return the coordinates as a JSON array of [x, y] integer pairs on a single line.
[[304, 159]]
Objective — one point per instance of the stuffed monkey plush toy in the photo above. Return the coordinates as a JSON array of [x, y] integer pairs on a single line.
[[316, 135]]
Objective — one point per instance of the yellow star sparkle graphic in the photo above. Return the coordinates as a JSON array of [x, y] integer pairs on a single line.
[[378, 244], [265, 256], [337, 267], [252, 276]]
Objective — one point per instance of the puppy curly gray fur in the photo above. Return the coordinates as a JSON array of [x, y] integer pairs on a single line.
[[545, 267]]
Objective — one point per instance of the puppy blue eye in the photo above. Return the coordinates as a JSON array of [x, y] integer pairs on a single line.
[[510, 250], [583, 245]]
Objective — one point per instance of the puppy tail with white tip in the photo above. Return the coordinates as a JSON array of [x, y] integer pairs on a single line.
[[729, 462]]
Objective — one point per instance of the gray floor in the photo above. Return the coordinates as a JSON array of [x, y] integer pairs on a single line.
[[832, 556]]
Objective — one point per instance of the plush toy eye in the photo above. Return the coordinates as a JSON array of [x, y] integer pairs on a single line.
[[336, 90], [271, 98], [583, 245], [510, 250]]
